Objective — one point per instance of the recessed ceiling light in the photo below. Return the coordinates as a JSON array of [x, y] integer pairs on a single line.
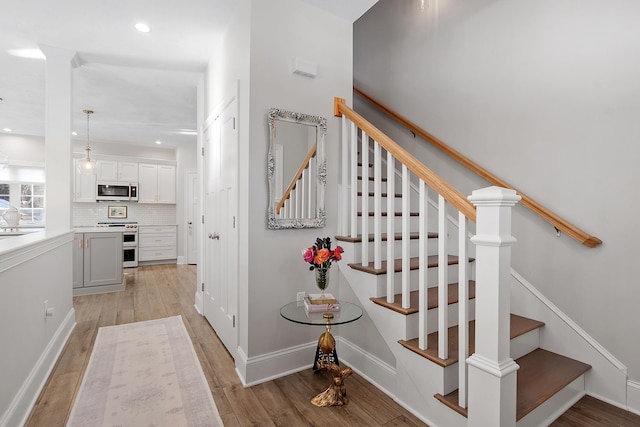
[[74, 133], [6, 130], [142, 27], [158, 142], [27, 53]]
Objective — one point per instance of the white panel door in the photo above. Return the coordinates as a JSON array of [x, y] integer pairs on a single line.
[[221, 233]]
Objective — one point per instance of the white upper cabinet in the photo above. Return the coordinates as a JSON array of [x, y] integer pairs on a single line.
[[111, 170], [156, 183], [128, 171]]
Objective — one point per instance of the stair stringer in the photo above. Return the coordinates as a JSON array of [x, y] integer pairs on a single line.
[[607, 378], [417, 379]]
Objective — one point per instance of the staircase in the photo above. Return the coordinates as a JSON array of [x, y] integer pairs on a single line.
[[417, 304]]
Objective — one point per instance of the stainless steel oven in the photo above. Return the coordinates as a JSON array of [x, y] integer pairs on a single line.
[[129, 241]]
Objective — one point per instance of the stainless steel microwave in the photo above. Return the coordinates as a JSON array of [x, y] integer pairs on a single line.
[[118, 191]]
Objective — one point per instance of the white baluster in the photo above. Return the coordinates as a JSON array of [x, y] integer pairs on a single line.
[[443, 279], [406, 255], [422, 274], [364, 160], [377, 206], [353, 143], [391, 194], [463, 308], [302, 182], [344, 179]]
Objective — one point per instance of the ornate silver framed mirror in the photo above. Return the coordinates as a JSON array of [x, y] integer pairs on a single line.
[[297, 170]]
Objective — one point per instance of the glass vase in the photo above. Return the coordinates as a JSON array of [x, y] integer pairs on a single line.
[[322, 278]]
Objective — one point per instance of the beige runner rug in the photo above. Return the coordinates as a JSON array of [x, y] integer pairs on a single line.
[[144, 374]]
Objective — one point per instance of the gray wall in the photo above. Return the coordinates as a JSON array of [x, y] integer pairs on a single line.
[[256, 52], [546, 96]]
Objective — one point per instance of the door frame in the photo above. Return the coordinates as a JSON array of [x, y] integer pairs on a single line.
[[232, 95], [189, 174]]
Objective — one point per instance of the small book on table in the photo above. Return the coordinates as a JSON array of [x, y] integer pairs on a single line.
[[318, 303]]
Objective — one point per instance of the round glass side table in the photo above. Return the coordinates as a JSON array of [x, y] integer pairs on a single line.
[[326, 356], [326, 350]]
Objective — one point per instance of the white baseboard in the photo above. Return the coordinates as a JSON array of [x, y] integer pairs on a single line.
[[369, 367], [379, 373], [199, 301], [633, 396], [181, 260], [20, 408], [267, 367]]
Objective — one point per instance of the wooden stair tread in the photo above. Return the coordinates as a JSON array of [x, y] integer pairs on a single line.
[[432, 299], [414, 264], [541, 375], [371, 213], [519, 325], [396, 236]]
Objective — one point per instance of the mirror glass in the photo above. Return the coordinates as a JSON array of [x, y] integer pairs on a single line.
[[297, 170]]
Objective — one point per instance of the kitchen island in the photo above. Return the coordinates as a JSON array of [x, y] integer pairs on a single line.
[[97, 261]]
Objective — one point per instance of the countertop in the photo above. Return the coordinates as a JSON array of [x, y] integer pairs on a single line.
[[99, 229]]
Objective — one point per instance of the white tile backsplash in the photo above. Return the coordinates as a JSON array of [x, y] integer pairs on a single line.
[[89, 214]]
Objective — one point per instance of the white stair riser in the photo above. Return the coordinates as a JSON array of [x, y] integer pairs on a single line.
[[432, 319], [414, 224], [525, 344], [379, 282], [414, 248]]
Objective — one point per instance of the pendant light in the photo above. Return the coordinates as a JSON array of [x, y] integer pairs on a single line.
[[87, 166]]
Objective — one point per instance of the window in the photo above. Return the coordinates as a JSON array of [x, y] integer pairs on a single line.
[[4, 198], [27, 197]]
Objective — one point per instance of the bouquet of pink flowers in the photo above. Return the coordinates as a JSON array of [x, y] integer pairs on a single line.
[[320, 255]]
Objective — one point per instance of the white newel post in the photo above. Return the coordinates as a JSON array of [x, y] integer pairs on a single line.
[[492, 372]]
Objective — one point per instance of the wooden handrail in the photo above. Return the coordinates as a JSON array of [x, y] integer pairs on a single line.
[[450, 194], [296, 177], [555, 220]]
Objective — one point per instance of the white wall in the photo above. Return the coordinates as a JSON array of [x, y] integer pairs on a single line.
[[257, 51], [280, 31], [545, 95], [22, 148], [33, 269]]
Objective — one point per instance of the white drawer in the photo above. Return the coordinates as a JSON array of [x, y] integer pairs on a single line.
[[151, 254], [146, 229], [157, 240]]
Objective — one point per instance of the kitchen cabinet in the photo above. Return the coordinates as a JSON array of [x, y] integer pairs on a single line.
[[156, 183], [97, 262], [111, 170], [84, 186], [157, 243]]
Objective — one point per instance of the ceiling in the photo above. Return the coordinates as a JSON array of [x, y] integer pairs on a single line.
[[142, 87]]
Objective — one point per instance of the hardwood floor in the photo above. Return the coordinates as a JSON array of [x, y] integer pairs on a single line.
[[167, 290], [591, 412]]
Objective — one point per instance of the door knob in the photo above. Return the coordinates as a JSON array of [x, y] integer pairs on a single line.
[[216, 236]]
